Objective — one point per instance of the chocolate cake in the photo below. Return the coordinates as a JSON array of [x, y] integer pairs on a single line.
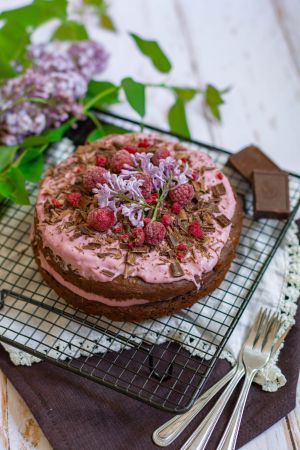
[[135, 227]]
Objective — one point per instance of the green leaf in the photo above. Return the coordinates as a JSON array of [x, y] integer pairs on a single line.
[[177, 119], [135, 95], [107, 23], [70, 31], [13, 44], [95, 87], [12, 186], [39, 11], [152, 50], [31, 163], [7, 155], [213, 99], [185, 94], [95, 134], [49, 136], [113, 129], [102, 8]]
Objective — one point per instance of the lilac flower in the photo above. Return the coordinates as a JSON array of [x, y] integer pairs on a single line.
[[59, 76]]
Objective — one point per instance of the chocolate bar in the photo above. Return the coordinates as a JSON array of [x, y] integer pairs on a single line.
[[271, 194], [250, 159]]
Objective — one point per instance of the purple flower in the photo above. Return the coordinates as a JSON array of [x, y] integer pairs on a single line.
[[59, 75]]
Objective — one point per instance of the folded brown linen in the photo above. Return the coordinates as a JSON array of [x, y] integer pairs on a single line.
[[76, 413]]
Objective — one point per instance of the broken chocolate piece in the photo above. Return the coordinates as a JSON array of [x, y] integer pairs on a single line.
[[176, 269], [108, 273], [271, 194], [130, 259], [140, 249], [218, 190], [250, 159], [223, 220]]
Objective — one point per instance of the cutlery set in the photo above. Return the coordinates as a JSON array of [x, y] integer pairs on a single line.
[[260, 345]]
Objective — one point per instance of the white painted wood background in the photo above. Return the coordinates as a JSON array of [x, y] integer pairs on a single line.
[[252, 46]]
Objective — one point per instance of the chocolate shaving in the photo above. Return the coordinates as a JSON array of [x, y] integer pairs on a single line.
[[126, 271], [172, 241], [208, 228], [218, 190], [108, 273], [176, 269], [86, 230], [140, 249], [183, 215], [90, 246], [130, 258], [222, 220]]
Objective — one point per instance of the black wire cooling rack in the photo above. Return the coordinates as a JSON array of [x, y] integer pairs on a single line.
[[164, 362]]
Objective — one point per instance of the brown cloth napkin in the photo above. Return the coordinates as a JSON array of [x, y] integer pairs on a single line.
[[76, 413]]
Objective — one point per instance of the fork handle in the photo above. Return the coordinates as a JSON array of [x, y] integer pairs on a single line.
[[200, 437], [170, 430], [228, 440]]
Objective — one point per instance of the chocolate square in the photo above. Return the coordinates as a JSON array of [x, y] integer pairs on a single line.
[[250, 159], [271, 194]]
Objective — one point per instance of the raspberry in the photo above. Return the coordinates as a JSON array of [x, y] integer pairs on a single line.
[[145, 143], [56, 203], [195, 175], [94, 176], [138, 236], [74, 198], [120, 158], [166, 220], [182, 246], [118, 229], [195, 229], [124, 237], [101, 219], [184, 160], [147, 220], [161, 153], [182, 194], [220, 176], [101, 160], [151, 198], [154, 233], [176, 208], [180, 255], [131, 150], [77, 169], [147, 185]]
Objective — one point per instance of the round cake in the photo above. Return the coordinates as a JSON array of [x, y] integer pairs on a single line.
[[135, 226]]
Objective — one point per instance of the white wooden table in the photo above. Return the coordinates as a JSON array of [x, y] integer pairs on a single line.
[[252, 46]]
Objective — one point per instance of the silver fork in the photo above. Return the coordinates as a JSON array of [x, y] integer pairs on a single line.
[[170, 430], [258, 347], [254, 359]]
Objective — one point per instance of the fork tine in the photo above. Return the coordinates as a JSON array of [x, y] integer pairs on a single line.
[[255, 327], [280, 340], [265, 329], [271, 335]]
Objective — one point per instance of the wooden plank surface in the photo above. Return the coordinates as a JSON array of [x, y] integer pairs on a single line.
[[254, 47]]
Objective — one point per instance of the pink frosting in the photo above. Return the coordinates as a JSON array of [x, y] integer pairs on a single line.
[[148, 268], [85, 294]]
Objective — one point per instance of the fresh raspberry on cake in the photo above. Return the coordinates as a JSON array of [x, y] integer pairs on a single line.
[[74, 198], [101, 219], [101, 160], [166, 220], [161, 153], [93, 177], [154, 233], [147, 185], [144, 143], [56, 203], [182, 194], [138, 236], [130, 149], [176, 208], [120, 159], [195, 229]]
